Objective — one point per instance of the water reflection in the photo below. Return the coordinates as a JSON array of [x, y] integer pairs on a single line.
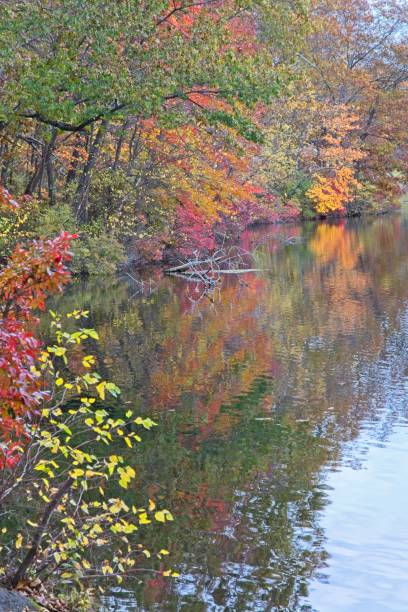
[[261, 392]]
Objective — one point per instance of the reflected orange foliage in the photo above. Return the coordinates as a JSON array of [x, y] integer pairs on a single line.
[[334, 242]]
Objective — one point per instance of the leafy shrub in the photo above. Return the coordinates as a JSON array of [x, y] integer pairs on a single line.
[[83, 514], [294, 193], [97, 251], [132, 207], [374, 198], [16, 220]]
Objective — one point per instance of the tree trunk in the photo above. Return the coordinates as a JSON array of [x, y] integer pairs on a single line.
[[52, 187], [35, 179], [6, 167], [121, 139], [45, 164], [75, 159], [81, 196], [133, 145], [370, 119]]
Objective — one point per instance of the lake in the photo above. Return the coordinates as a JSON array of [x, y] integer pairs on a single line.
[[281, 403]]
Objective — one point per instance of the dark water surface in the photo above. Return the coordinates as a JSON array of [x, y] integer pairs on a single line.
[[282, 446]]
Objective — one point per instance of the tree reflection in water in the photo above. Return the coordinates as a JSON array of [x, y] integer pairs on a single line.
[[258, 392]]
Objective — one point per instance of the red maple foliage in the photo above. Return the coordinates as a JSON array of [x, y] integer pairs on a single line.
[[31, 274]]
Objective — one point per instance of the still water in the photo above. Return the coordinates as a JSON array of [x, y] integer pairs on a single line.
[[282, 445]]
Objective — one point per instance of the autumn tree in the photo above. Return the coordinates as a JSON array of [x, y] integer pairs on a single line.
[[365, 41]]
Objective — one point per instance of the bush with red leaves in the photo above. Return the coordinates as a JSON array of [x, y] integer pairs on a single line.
[[31, 274]]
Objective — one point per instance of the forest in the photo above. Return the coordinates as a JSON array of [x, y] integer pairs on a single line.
[[141, 134], [154, 129]]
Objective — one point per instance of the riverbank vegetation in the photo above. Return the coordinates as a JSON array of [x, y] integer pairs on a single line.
[[154, 128], [65, 448]]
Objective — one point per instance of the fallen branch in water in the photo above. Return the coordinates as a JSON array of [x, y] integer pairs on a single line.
[[191, 263], [217, 271], [206, 274], [208, 271]]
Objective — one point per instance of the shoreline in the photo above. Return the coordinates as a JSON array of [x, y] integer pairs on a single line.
[[135, 261]]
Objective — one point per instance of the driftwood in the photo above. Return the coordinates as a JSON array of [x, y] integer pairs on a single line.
[[229, 271], [206, 274], [208, 271], [192, 263]]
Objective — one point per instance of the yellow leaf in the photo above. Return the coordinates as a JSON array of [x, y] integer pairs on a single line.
[[152, 505], [130, 472], [88, 361], [116, 507], [76, 473], [101, 389], [19, 541], [163, 515], [59, 382], [143, 520]]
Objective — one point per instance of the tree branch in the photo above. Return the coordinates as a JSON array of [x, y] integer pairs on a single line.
[[22, 569], [177, 9], [69, 127]]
